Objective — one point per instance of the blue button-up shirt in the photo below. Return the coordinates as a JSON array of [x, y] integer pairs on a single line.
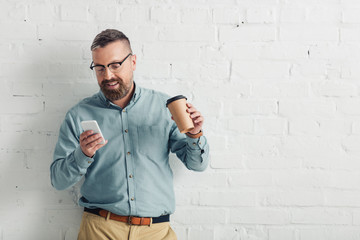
[[130, 175]]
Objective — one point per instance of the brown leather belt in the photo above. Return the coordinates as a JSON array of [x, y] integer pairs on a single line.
[[131, 220]]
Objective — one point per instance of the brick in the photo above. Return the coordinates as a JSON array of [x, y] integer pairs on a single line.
[[355, 129], [227, 15], [350, 15], [196, 16], [349, 106], [335, 89], [226, 161], [70, 217], [250, 178], [26, 89], [320, 216], [331, 14], [255, 107], [200, 233], [185, 70], [191, 216], [241, 124], [259, 216], [259, 161], [268, 126], [309, 34], [196, 180], [23, 105], [297, 198], [301, 108], [18, 31], [9, 12], [227, 198], [104, 13], [134, 14], [349, 34], [217, 70], [165, 15], [152, 69], [171, 51], [248, 33], [342, 198], [260, 69], [281, 233], [74, 13], [284, 50], [67, 31], [66, 52], [289, 14], [42, 12], [188, 33], [260, 15], [243, 51], [282, 89]]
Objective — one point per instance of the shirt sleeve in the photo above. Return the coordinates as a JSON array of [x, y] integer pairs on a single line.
[[193, 152], [70, 163]]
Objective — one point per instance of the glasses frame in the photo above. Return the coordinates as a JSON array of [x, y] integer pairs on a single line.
[[107, 66]]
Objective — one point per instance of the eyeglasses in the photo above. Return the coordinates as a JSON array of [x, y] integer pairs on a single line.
[[113, 67]]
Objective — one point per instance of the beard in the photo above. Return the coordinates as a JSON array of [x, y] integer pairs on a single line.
[[118, 93]]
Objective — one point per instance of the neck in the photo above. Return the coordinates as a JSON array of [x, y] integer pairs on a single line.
[[123, 102]]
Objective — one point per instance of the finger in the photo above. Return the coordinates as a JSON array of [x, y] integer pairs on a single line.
[[199, 120], [195, 115], [91, 139], [85, 134], [94, 143], [191, 110], [98, 146]]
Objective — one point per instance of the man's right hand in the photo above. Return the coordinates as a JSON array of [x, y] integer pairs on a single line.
[[89, 143]]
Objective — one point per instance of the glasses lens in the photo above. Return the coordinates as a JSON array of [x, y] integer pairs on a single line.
[[99, 70], [115, 67]]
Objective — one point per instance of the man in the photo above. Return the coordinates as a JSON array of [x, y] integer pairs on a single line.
[[128, 188]]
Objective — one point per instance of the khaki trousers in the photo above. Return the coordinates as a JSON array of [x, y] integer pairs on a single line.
[[95, 227]]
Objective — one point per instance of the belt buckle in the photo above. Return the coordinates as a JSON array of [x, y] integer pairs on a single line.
[[130, 220]]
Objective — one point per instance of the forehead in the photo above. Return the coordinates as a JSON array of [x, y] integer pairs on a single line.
[[114, 51]]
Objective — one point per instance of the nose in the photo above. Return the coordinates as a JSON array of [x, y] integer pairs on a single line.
[[108, 74]]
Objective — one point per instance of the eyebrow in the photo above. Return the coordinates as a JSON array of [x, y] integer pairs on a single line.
[[98, 64]]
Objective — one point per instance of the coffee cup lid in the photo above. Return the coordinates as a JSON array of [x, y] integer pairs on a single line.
[[170, 100]]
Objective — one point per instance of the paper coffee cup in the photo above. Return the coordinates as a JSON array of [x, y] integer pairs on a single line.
[[177, 107]]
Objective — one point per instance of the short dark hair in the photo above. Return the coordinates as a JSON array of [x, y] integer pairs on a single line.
[[108, 36]]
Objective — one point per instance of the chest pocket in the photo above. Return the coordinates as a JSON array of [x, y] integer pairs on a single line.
[[152, 141]]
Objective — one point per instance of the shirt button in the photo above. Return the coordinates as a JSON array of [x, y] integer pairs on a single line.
[[194, 144], [128, 153], [124, 110], [126, 130], [199, 142], [130, 176], [89, 161], [132, 199]]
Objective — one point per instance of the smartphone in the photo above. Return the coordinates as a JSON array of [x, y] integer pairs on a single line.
[[92, 125]]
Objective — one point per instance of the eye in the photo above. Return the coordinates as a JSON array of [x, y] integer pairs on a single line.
[[115, 66], [99, 68]]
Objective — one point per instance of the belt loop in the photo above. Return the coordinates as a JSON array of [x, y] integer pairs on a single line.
[[108, 215]]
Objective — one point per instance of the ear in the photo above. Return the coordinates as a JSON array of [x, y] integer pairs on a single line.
[[133, 62]]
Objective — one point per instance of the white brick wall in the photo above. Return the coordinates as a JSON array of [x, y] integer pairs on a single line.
[[277, 82]]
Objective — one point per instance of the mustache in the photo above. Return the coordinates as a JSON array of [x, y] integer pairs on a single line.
[[110, 80]]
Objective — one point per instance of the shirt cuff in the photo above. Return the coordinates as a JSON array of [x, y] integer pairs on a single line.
[[196, 143], [81, 159]]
